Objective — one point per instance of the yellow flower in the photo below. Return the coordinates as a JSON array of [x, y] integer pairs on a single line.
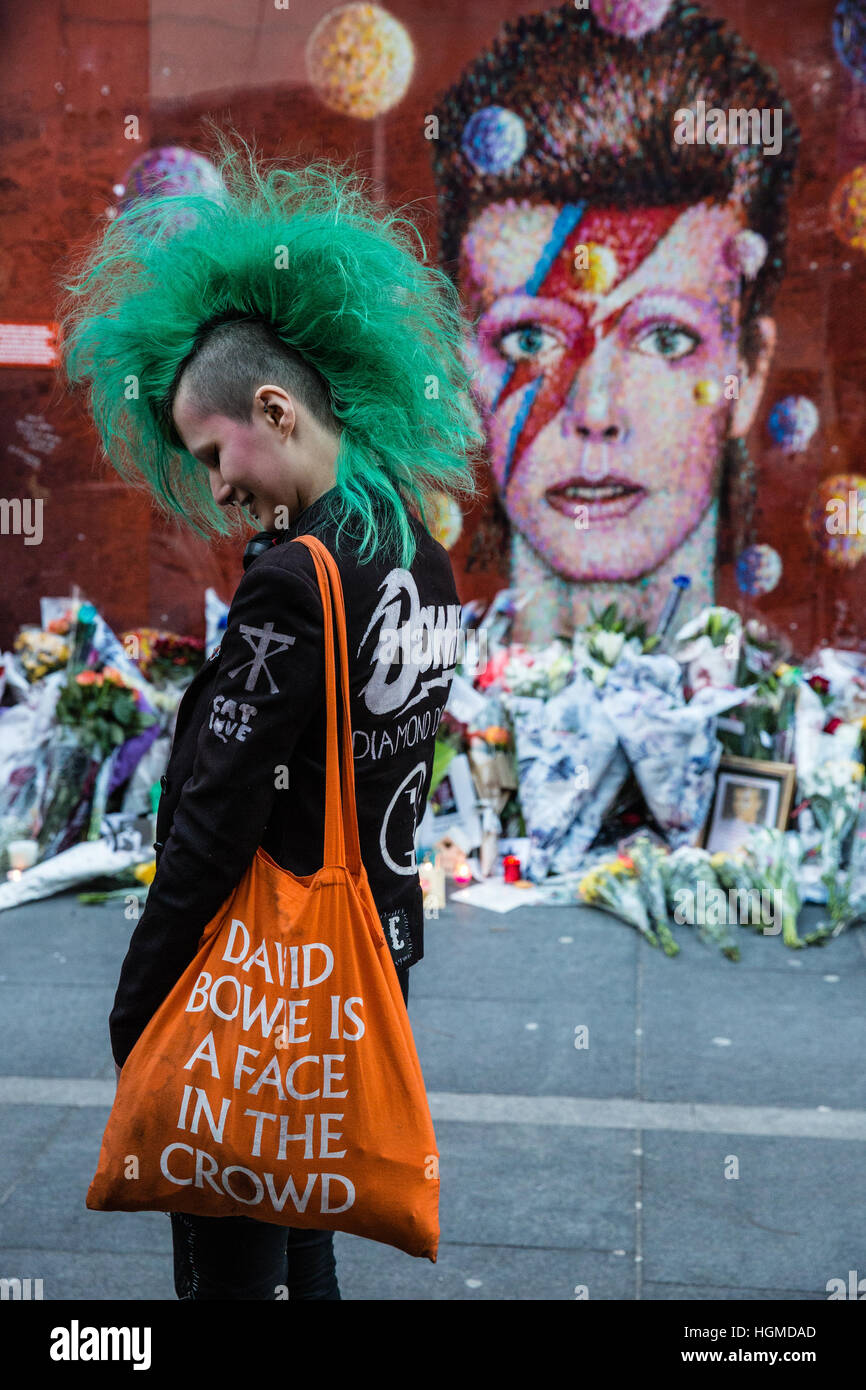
[[145, 872]]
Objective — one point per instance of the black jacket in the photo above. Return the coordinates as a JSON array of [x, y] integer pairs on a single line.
[[247, 763]]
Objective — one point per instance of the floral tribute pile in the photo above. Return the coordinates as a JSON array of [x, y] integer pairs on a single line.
[[600, 754], [84, 728]]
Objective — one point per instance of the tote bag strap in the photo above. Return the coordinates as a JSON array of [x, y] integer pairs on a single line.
[[342, 844]]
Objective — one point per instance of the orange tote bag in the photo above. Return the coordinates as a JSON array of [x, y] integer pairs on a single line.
[[279, 1078]]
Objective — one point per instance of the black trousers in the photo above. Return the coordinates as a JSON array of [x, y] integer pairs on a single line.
[[238, 1257]]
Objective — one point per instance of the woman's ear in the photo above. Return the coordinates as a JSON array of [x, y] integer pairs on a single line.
[[753, 379]]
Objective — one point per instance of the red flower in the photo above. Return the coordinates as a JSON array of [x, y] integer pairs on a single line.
[[493, 670], [831, 726], [819, 684]]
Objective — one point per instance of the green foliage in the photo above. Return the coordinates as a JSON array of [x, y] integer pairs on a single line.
[[103, 714], [612, 620]]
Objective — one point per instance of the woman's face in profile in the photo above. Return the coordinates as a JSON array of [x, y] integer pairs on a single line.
[[604, 389]]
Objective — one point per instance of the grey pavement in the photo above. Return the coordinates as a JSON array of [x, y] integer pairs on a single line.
[[567, 1171]]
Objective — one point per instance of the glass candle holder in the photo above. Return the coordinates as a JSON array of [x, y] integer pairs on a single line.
[[22, 853], [511, 868], [462, 874]]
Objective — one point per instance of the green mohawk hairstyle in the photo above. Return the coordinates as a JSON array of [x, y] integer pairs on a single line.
[[290, 274]]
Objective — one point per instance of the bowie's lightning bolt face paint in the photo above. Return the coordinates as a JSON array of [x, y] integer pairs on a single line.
[[587, 251], [600, 335]]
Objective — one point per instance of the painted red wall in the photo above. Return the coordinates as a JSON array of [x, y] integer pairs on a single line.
[[68, 81]]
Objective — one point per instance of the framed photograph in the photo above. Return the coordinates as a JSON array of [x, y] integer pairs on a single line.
[[748, 793], [452, 806]]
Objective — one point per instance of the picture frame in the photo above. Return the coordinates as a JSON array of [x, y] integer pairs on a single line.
[[457, 800], [748, 793]]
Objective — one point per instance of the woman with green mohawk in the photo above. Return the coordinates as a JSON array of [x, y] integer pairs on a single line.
[[280, 347]]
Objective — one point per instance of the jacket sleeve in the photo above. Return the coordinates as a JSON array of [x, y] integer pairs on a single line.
[[270, 678]]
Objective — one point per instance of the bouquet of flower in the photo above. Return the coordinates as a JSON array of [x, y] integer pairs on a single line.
[[834, 793], [614, 886], [102, 709], [569, 769], [762, 652], [64, 804], [164, 657], [708, 648], [598, 646], [450, 740], [39, 652], [696, 898], [764, 723], [670, 745], [541, 672], [104, 712], [746, 893], [493, 771], [773, 859], [646, 858]]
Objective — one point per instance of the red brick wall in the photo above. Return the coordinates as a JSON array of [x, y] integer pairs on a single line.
[[64, 150]]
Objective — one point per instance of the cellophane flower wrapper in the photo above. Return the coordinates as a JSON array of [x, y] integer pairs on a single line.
[[80, 863], [542, 671], [467, 705], [683, 871], [596, 653], [834, 789], [494, 629], [611, 885], [491, 774], [708, 648], [846, 673], [31, 749], [671, 746], [39, 653], [646, 858], [835, 793], [764, 724], [569, 768], [813, 747], [733, 870], [773, 857]]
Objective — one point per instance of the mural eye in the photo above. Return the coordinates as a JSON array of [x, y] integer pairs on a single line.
[[668, 340], [527, 341]]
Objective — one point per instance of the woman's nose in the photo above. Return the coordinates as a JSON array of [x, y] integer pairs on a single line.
[[222, 491]]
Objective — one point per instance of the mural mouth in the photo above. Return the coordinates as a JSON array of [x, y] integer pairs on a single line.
[[608, 499]]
